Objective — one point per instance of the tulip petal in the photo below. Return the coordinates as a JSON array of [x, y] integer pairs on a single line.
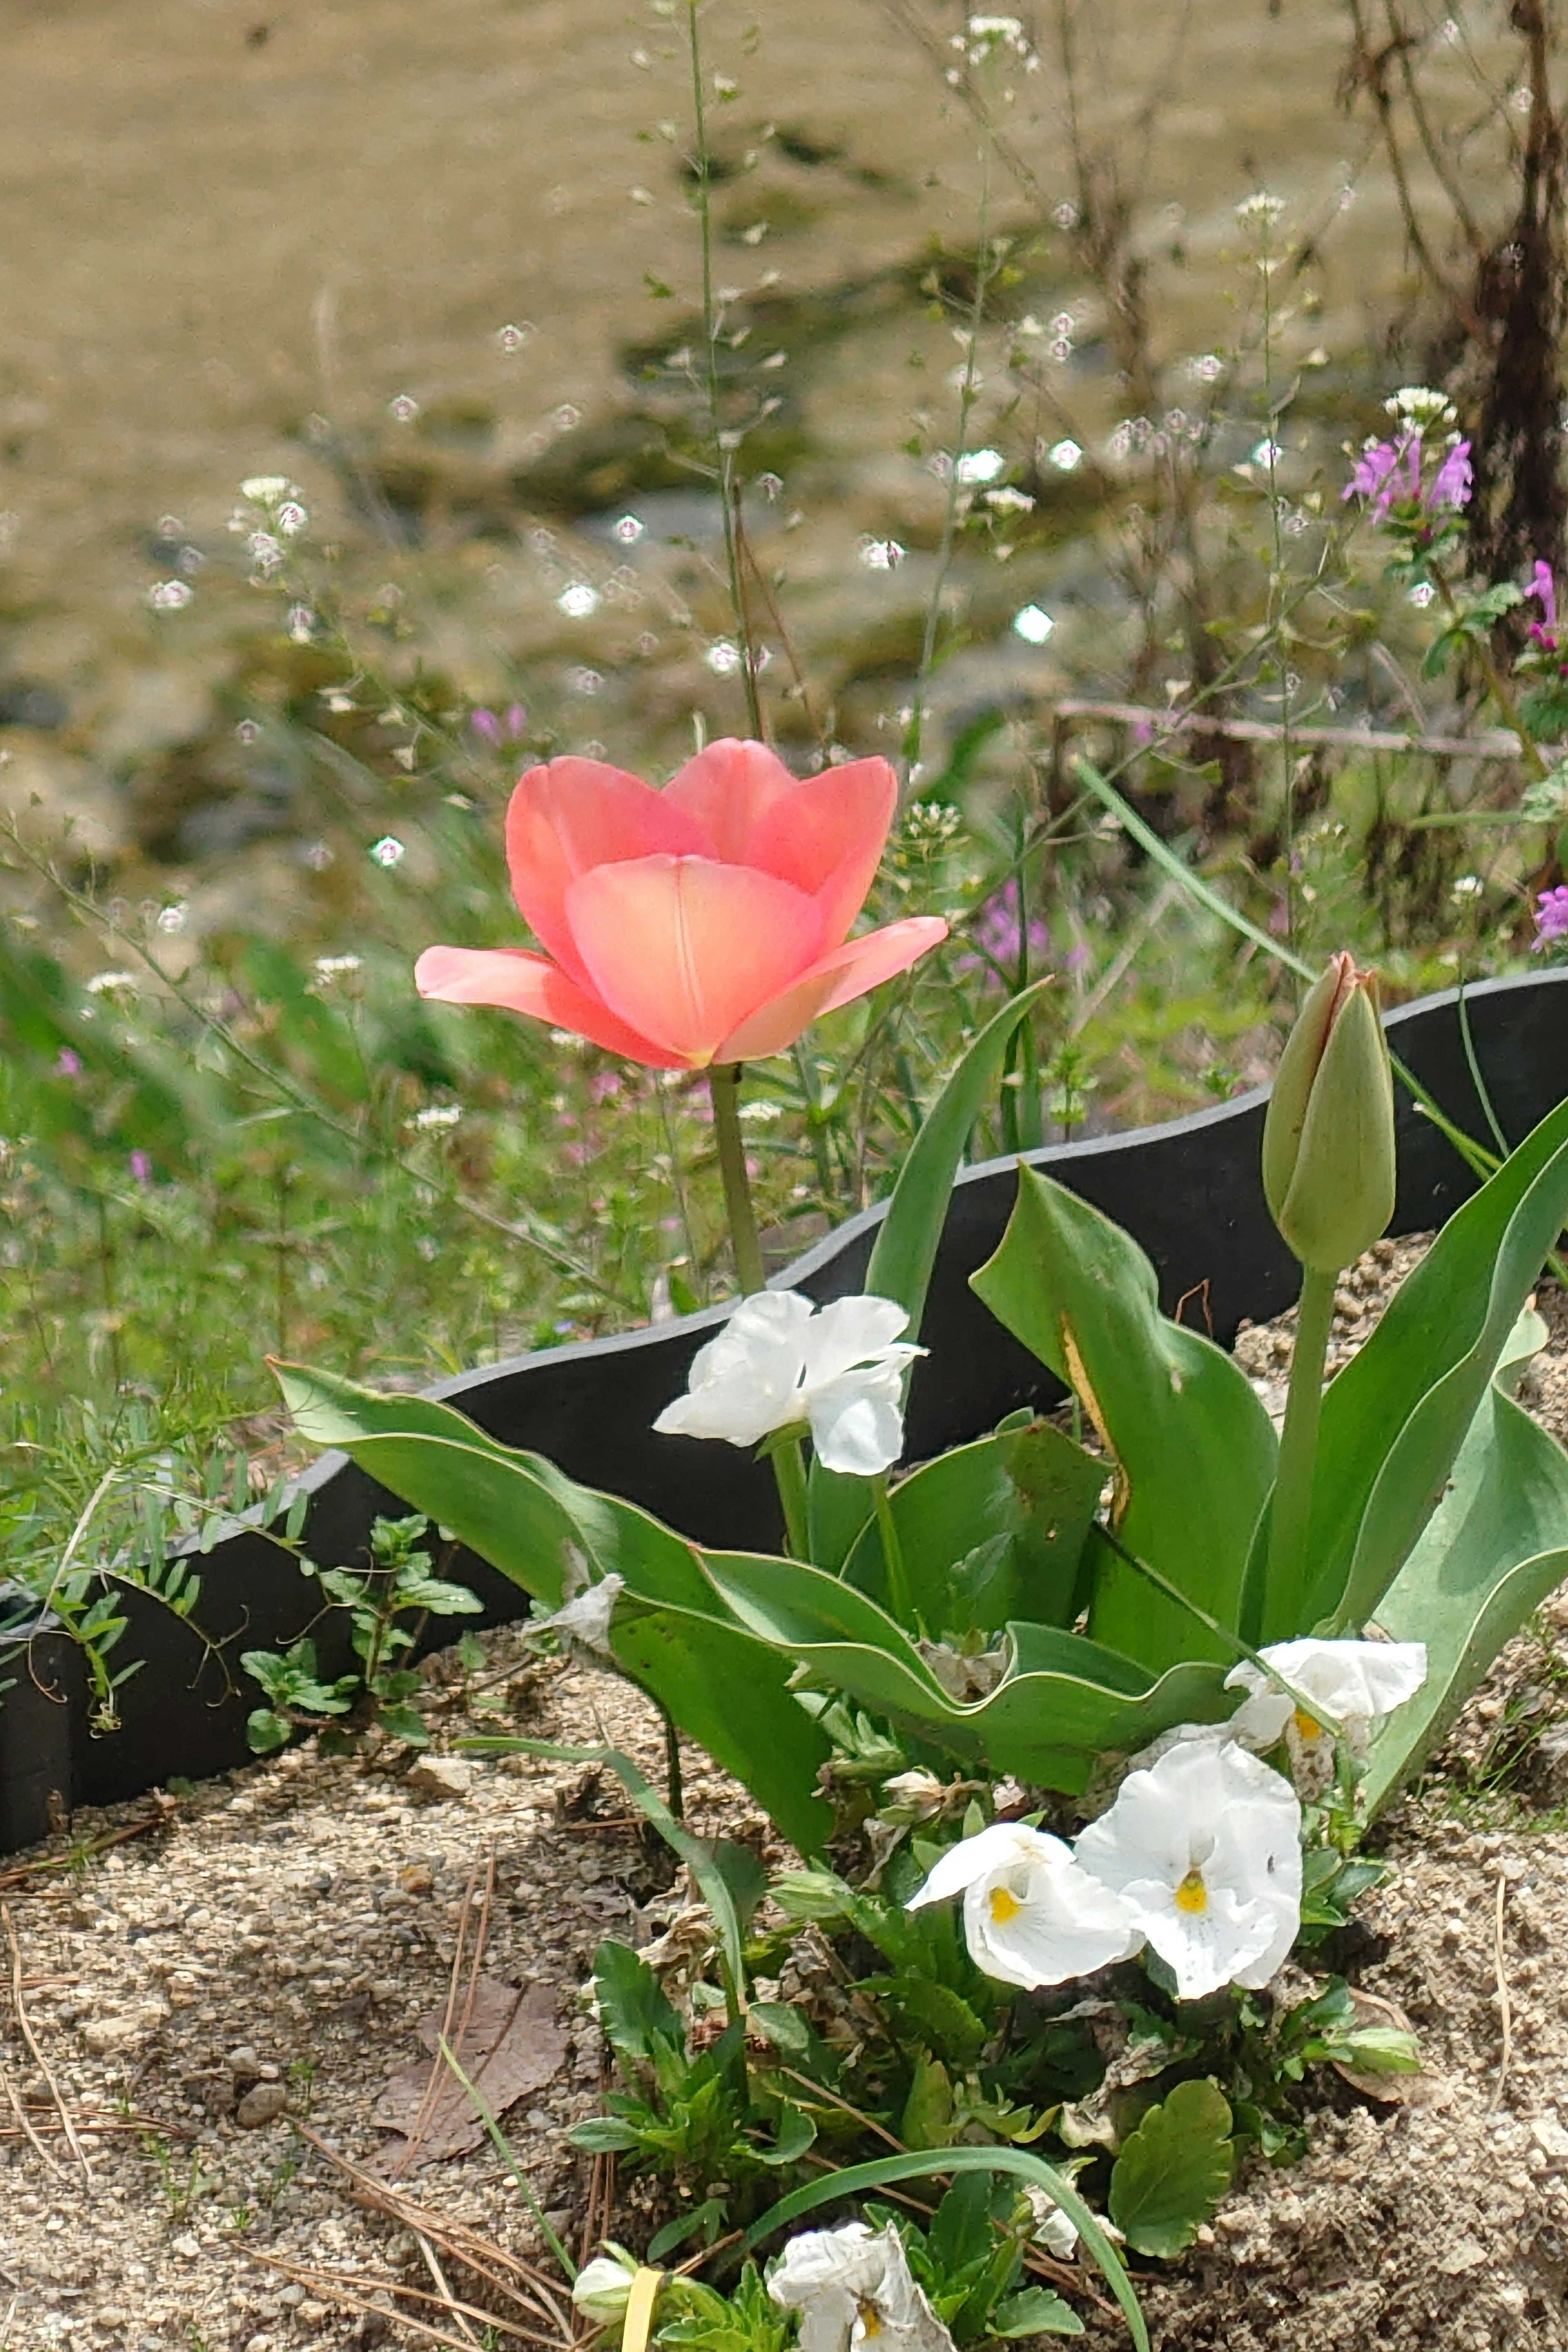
[[826, 835], [728, 790], [848, 973], [574, 814], [519, 983], [686, 950]]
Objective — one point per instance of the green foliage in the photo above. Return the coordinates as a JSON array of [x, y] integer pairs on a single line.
[[1191, 1446], [1173, 2171], [398, 1585]]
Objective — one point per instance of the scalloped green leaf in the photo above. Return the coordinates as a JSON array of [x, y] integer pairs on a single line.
[[1173, 2169]]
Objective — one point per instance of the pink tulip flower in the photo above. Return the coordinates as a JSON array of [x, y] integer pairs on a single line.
[[708, 922]]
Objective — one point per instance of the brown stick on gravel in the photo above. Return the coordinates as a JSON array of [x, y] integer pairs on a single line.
[[454, 2040], [462, 2242], [352, 2287], [31, 2039]]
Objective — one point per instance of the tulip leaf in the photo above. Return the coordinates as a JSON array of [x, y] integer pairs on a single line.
[[1192, 1448], [536, 1525], [989, 1532], [1394, 1420], [906, 1241], [1493, 1549], [1173, 2171], [1062, 1701]]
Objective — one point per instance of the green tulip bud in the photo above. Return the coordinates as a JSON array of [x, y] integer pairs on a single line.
[[1328, 1140]]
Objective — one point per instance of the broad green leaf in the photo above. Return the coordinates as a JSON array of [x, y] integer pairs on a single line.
[[991, 1531], [1192, 1448], [1173, 2171], [1493, 1551], [905, 1249], [1035, 2311], [922, 2011], [522, 1515], [927, 2118], [1394, 1418], [631, 2002], [853, 2180], [1064, 1701]]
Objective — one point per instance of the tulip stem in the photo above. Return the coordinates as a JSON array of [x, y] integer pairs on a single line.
[[1291, 1514], [725, 1086], [900, 1603], [789, 1474]]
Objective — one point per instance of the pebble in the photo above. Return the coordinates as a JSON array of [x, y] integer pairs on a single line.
[[440, 1775], [263, 2103]]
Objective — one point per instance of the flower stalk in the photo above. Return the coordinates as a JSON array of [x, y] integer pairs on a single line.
[[789, 1468], [1290, 1524], [724, 1088]]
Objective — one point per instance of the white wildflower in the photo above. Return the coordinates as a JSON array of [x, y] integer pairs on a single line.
[[1031, 1917], [585, 1617], [1204, 1849], [779, 1361], [601, 2287], [1356, 1683], [853, 2288]]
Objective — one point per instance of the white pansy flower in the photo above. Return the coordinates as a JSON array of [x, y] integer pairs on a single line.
[[586, 1616], [601, 2287], [1204, 1849], [852, 2287], [1049, 2226], [1356, 1683], [779, 1360], [1031, 1917]]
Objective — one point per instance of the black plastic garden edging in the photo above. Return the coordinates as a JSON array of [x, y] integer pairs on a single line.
[[1189, 1191]]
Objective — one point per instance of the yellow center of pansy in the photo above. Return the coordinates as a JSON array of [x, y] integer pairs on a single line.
[[1191, 1895], [870, 2321], [1004, 1906], [1306, 1725]]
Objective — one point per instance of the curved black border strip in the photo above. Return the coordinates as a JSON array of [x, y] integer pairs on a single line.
[[1188, 1189]]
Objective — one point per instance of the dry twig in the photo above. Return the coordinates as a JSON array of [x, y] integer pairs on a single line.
[[31, 2039], [1505, 2007]]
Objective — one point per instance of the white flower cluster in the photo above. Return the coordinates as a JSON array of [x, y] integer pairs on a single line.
[[1417, 406], [1200, 1855]]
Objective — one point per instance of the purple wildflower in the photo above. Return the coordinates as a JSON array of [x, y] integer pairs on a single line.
[[496, 731], [69, 1064], [996, 930], [1552, 917], [1542, 588], [1453, 481], [1372, 477], [141, 1167]]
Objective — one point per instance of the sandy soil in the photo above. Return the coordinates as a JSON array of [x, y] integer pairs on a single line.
[[257, 1965]]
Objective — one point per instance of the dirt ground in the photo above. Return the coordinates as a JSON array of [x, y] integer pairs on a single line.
[[254, 1968]]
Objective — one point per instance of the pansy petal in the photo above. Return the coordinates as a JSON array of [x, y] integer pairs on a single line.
[[517, 982], [850, 1332], [857, 1421], [1065, 1924], [1004, 1843], [687, 951], [729, 790], [572, 814], [842, 975], [827, 838]]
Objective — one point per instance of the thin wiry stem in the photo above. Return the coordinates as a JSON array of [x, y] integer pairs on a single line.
[[724, 456]]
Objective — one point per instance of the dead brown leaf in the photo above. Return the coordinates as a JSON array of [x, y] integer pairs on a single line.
[[510, 2046]]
